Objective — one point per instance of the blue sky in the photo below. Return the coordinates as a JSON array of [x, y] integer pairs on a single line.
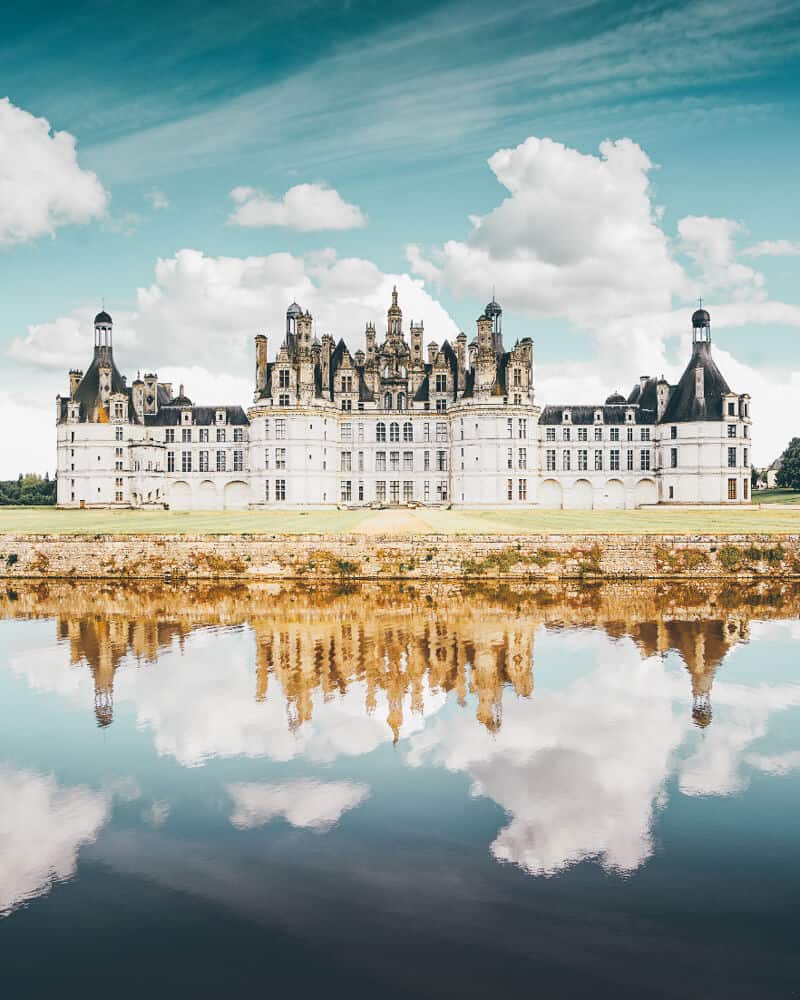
[[399, 110]]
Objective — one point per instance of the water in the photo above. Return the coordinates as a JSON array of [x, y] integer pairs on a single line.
[[447, 791]]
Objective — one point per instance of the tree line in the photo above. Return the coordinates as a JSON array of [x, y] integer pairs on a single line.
[[28, 490]]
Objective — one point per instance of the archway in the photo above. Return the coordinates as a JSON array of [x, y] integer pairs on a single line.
[[551, 495], [646, 492], [581, 495], [237, 496], [614, 494], [387, 401], [180, 496], [207, 495]]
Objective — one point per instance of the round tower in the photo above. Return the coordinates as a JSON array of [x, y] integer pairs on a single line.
[[103, 328]]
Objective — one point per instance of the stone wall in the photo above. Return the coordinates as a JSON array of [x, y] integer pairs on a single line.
[[313, 557]]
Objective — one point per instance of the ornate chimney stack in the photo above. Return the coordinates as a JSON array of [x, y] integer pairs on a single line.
[[75, 377], [416, 342], [261, 363], [662, 397]]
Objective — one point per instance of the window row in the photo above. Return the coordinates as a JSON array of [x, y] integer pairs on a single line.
[[597, 434], [580, 461], [202, 434], [203, 464]]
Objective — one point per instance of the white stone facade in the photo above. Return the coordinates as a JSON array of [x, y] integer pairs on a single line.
[[389, 427]]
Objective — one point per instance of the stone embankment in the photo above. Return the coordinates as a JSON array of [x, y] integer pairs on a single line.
[[433, 557]]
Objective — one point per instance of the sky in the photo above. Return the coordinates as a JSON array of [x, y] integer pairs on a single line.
[[599, 165]]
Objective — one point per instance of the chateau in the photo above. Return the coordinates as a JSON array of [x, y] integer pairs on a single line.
[[400, 424]]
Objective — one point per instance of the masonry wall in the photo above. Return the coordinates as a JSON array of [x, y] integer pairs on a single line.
[[313, 557]]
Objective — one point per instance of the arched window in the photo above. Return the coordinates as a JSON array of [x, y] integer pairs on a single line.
[[402, 371], [380, 432], [387, 401], [394, 432], [401, 401], [408, 431]]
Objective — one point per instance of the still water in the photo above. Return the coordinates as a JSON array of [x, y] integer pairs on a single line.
[[387, 792]]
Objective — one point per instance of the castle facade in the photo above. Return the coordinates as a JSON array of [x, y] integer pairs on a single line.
[[396, 424]]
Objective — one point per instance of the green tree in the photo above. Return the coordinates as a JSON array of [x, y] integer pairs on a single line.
[[789, 472]]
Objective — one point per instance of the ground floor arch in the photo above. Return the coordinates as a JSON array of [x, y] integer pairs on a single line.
[[207, 495], [551, 495], [581, 495], [237, 495], [180, 496], [613, 495], [646, 492]]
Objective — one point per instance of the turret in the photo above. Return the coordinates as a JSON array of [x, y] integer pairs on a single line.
[[416, 342], [433, 350], [662, 396], [394, 318], [137, 396], [327, 351], [151, 393], [103, 329], [304, 325], [75, 377], [371, 341]]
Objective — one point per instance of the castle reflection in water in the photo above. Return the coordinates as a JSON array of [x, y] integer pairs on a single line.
[[398, 641]]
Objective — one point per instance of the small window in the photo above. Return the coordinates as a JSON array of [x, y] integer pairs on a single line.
[[673, 432]]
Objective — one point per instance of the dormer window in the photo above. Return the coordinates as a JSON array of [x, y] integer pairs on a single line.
[[566, 416], [186, 417], [629, 416], [347, 383], [220, 416], [517, 377], [441, 383], [598, 416]]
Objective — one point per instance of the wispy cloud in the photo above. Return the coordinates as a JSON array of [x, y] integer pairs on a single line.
[[424, 96]]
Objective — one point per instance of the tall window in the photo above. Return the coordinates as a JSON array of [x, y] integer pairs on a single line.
[[614, 433], [394, 491], [731, 489], [566, 434], [170, 461], [238, 460], [731, 458], [283, 400], [509, 489], [522, 489], [394, 432], [347, 461], [408, 431], [280, 428], [203, 433], [347, 405], [280, 458], [220, 434], [550, 434], [186, 461], [583, 433], [673, 432], [510, 426], [380, 432], [346, 432], [441, 461], [441, 383], [283, 378], [347, 491], [380, 491], [517, 377], [598, 433], [673, 458], [629, 433], [408, 461], [408, 491], [186, 434], [645, 434], [426, 432], [510, 458], [644, 460], [220, 461], [583, 460], [613, 460], [427, 461], [238, 434], [441, 405], [204, 461], [522, 427], [118, 434], [441, 432], [598, 461], [347, 383], [169, 435], [731, 430], [380, 461], [394, 461], [280, 489], [566, 460], [629, 460], [387, 401], [550, 460]]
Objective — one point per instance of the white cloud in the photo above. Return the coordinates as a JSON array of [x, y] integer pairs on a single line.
[[773, 248], [157, 199], [42, 186], [711, 245], [201, 308], [305, 207], [42, 828], [315, 805], [578, 237]]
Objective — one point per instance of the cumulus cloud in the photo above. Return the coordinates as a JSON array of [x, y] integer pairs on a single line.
[[314, 805], [42, 185], [42, 828], [773, 248], [711, 245], [305, 207], [200, 308], [578, 236]]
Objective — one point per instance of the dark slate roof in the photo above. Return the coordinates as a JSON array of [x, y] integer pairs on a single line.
[[102, 319], [683, 404], [582, 415], [87, 395], [202, 416], [423, 395], [163, 396]]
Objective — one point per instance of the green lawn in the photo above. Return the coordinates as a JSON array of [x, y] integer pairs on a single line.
[[771, 519], [776, 496]]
